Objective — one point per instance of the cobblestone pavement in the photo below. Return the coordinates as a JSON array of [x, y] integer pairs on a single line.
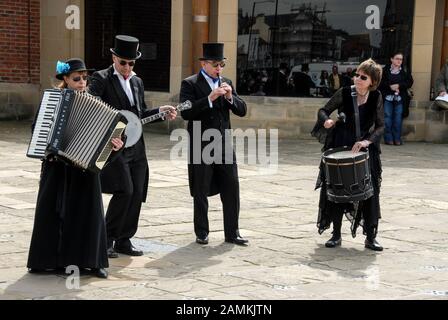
[[286, 258]]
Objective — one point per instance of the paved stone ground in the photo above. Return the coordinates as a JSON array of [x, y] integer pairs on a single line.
[[286, 258]]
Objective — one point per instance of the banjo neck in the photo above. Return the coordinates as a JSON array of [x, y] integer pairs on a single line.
[[134, 125], [183, 106], [154, 117]]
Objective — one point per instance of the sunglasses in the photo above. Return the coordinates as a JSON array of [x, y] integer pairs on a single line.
[[130, 63], [363, 77], [78, 78], [222, 64]]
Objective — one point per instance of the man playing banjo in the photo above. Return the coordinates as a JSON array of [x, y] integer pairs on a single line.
[[127, 177]]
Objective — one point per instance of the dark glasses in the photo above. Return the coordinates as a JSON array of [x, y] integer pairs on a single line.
[[363, 77], [222, 64], [78, 78], [130, 63]]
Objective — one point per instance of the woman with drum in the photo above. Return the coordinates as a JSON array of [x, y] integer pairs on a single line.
[[69, 227], [358, 130]]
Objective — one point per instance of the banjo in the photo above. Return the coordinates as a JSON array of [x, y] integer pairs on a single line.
[[134, 128]]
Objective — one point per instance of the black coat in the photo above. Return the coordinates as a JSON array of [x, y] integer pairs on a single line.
[[196, 89], [106, 85], [279, 84], [303, 83], [69, 227], [406, 82]]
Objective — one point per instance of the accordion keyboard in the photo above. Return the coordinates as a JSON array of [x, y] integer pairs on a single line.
[[45, 118]]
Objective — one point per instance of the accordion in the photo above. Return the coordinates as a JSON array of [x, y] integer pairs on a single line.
[[76, 127]]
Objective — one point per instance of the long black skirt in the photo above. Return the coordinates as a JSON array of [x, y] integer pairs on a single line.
[[361, 213], [69, 227]]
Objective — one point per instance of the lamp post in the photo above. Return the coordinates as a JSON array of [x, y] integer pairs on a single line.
[[250, 29]]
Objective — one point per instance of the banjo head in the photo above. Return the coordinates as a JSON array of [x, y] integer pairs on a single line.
[[133, 130]]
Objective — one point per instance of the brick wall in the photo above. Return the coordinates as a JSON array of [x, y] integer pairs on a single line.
[[19, 41]]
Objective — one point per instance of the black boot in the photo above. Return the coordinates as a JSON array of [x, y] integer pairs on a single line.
[[336, 239], [371, 242], [100, 273]]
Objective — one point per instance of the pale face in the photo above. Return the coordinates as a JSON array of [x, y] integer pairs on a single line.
[[76, 80], [213, 68], [362, 81], [123, 66], [397, 60]]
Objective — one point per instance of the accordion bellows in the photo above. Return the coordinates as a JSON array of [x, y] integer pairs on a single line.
[[76, 127]]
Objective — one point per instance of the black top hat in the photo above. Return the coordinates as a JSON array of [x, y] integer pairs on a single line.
[[69, 66], [213, 51], [126, 47]]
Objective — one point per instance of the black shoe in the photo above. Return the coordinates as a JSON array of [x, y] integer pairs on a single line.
[[238, 240], [34, 270], [373, 245], [100, 273], [111, 253], [202, 240], [333, 242], [130, 251]]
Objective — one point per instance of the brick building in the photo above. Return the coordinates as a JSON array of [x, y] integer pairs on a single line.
[[19, 56]]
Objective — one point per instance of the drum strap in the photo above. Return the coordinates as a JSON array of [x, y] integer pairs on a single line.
[[355, 106]]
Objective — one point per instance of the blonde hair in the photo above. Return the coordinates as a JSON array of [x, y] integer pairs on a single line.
[[61, 85], [373, 70]]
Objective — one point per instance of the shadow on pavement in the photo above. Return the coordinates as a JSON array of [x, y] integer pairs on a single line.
[[352, 263], [188, 259], [43, 285]]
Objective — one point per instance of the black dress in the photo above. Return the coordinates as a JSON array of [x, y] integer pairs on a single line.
[[365, 213], [69, 227]]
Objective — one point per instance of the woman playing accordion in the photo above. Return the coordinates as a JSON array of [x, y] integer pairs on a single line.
[[69, 227]]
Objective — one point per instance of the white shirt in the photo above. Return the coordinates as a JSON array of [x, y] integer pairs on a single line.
[[213, 85], [126, 85]]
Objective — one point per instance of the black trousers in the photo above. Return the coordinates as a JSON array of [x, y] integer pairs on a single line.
[[124, 208], [369, 225], [230, 198]]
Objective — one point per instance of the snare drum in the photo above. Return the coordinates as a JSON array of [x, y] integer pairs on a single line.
[[347, 174]]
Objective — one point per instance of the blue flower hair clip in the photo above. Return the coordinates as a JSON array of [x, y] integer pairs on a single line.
[[62, 67]]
